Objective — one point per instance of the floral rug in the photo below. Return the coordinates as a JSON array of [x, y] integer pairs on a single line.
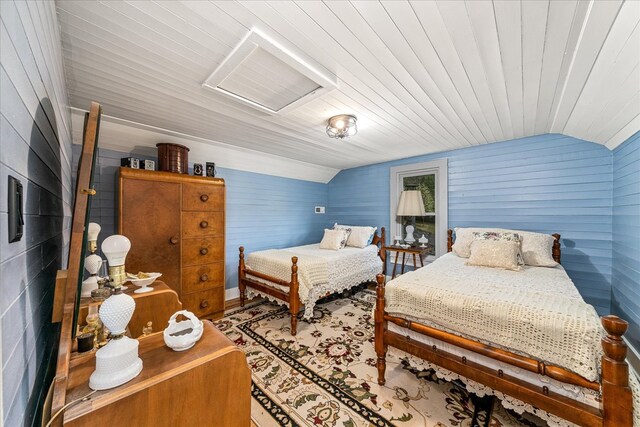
[[326, 375]]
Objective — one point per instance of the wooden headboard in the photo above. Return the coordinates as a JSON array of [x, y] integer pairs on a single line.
[[555, 250]]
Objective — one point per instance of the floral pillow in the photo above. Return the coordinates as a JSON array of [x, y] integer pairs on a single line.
[[359, 237], [334, 239], [502, 236]]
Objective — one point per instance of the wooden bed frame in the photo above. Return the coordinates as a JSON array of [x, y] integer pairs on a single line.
[[614, 385], [292, 297]]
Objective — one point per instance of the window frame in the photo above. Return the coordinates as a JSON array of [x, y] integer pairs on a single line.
[[440, 169]]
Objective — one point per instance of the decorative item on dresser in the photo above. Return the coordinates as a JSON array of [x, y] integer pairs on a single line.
[[173, 157], [176, 225]]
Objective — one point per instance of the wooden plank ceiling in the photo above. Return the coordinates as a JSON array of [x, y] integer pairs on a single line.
[[420, 76]]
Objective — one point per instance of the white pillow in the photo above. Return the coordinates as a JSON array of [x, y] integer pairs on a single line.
[[537, 249], [359, 236], [334, 239], [495, 253]]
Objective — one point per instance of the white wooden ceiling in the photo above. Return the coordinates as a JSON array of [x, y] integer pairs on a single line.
[[421, 76]]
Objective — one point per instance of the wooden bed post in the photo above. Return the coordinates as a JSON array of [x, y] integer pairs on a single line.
[[241, 275], [380, 328], [383, 250], [616, 395], [449, 240], [294, 297], [555, 249]]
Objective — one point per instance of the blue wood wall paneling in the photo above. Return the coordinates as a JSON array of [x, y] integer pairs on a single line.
[[625, 300], [35, 147], [548, 183], [263, 211]]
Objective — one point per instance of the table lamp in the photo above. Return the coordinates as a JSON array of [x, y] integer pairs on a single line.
[[410, 204], [92, 264], [92, 236], [116, 248], [118, 361]]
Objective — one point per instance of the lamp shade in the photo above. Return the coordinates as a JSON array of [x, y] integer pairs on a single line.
[[411, 204]]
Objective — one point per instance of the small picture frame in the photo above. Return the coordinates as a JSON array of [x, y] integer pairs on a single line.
[[198, 169], [149, 165], [211, 169], [130, 162]]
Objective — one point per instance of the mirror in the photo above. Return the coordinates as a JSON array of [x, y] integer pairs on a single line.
[[69, 282]]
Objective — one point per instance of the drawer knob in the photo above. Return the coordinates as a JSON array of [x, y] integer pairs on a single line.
[[204, 251], [204, 197], [204, 278], [204, 224], [173, 240], [204, 304]]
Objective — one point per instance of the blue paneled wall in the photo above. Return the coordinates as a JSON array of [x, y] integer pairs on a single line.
[[547, 183], [263, 211], [626, 236]]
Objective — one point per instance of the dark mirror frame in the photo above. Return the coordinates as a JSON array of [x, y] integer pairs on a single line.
[[69, 282]]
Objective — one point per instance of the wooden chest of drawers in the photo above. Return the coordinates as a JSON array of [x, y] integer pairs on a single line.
[[176, 224]]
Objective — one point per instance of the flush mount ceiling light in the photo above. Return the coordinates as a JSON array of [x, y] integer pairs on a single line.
[[265, 75], [342, 126]]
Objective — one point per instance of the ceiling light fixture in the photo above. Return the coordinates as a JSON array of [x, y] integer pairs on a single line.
[[342, 126]]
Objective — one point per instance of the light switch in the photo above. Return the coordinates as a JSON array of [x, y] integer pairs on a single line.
[[319, 209], [16, 220]]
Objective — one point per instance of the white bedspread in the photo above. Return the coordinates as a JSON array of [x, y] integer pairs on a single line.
[[320, 271], [536, 312]]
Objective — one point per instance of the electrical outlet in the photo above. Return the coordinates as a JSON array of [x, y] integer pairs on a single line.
[[319, 209]]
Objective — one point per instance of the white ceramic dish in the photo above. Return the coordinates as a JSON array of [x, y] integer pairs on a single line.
[[183, 335], [144, 283]]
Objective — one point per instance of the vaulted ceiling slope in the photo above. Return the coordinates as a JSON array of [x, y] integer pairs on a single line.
[[420, 76]]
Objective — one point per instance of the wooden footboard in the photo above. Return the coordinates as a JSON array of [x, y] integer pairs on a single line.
[[292, 297], [614, 386]]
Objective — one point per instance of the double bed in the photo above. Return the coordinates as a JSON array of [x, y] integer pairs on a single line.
[[299, 276], [526, 336]]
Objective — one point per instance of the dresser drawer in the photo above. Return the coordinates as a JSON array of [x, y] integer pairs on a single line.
[[202, 197], [202, 277], [198, 224], [205, 302], [202, 251]]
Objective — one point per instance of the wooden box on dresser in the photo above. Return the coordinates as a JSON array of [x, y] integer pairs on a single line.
[[176, 224]]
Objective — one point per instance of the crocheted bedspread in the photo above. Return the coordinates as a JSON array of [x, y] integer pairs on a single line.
[[536, 312], [320, 271]]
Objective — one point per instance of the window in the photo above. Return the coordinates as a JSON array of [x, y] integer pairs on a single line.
[[430, 178]]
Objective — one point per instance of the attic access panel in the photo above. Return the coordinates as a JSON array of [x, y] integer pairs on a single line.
[[264, 75]]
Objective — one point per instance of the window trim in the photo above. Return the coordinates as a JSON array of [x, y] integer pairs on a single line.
[[440, 169]]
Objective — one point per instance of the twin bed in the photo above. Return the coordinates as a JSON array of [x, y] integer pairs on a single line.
[[298, 277], [525, 336]]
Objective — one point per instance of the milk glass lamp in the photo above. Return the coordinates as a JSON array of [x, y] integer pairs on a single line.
[[411, 204], [118, 361], [92, 264], [116, 248], [92, 236]]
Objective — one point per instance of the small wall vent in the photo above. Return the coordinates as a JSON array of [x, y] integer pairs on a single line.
[[263, 74]]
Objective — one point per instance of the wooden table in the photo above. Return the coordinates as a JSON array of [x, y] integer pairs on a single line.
[[209, 384], [412, 250]]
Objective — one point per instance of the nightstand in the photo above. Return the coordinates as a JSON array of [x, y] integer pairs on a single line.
[[412, 250]]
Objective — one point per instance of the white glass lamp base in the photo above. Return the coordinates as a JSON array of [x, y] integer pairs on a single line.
[[88, 285], [409, 239], [116, 363]]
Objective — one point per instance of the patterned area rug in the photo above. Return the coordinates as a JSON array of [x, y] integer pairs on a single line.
[[326, 375]]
